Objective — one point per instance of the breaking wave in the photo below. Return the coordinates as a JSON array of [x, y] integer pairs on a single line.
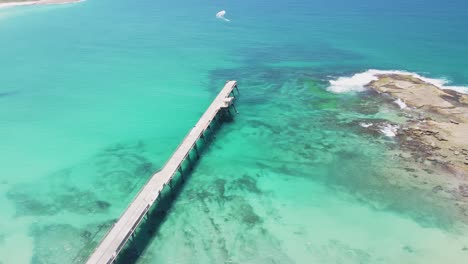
[[358, 82], [400, 103], [389, 130]]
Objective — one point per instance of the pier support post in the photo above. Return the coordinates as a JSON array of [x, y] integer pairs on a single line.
[[159, 196], [228, 110], [218, 120], [135, 246], [196, 151], [234, 106], [215, 120], [181, 173], [121, 234], [189, 160], [172, 190]]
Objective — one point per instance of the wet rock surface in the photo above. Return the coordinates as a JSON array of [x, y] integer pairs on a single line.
[[437, 126]]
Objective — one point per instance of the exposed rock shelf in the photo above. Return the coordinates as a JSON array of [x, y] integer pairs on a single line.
[[438, 129]]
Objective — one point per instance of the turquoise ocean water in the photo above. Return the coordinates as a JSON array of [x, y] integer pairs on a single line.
[[95, 96]]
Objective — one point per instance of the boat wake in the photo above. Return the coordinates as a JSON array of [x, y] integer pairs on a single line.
[[221, 14]]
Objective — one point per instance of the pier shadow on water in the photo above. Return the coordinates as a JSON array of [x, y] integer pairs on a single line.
[[157, 215]]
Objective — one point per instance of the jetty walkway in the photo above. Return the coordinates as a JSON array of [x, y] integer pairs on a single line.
[[109, 248]]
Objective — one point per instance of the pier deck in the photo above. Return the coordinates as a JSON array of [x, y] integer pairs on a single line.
[[107, 251]]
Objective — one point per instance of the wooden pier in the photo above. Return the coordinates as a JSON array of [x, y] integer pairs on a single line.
[[109, 248]]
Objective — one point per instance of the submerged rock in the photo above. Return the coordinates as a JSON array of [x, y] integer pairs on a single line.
[[437, 188], [463, 189], [103, 205]]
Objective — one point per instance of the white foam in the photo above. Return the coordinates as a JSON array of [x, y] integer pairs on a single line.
[[366, 125], [357, 82], [221, 14], [400, 103], [389, 130]]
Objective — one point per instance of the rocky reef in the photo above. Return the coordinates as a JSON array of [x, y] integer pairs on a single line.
[[436, 130]]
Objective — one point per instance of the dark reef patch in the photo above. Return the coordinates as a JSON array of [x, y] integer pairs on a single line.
[[112, 174], [220, 187], [247, 215], [8, 93], [74, 201], [103, 205], [322, 135], [408, 249], [246, 183]]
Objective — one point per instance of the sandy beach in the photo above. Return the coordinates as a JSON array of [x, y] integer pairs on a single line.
[[8, 3]]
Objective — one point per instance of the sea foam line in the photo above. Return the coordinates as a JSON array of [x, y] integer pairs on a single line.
[[357, 82]]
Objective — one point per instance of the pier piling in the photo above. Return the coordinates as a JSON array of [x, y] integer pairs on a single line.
[[117, 237]]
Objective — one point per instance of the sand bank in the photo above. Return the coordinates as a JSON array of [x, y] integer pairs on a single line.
[[5, 4]]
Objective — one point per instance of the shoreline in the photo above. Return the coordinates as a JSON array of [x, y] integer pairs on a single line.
[[37, 2]]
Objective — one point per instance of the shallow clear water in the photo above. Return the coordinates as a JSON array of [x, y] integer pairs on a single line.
[[95, 96]]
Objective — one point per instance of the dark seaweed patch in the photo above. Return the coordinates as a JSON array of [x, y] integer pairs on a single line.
[[86, 235], [103, 205], [115, 173], [144, 168], [248, 215], [6, 94], [408, 249], [82, 202], [247, 183], [220, 187], [26, 204], [261, 124]]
